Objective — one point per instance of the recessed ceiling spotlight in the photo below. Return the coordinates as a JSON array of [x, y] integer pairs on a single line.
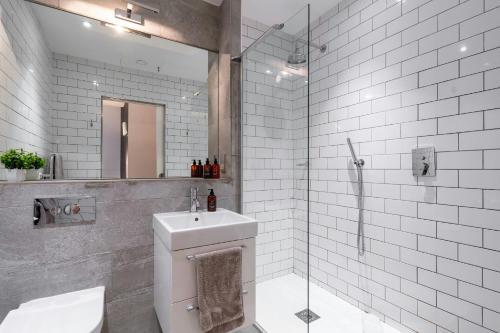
[[117, 28], [141, 62], [183, 97], [120, 29], [463, 48], [31, 70], [269, 71], [95, 83], [87, 24], [197, 93]]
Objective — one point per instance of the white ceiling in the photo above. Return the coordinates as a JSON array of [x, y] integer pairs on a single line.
[[66, 34], [271, 12]]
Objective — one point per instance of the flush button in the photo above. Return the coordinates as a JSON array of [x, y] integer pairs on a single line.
[[64, 210]]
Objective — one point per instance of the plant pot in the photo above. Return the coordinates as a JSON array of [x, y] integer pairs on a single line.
[[15, 175], [33, 174]]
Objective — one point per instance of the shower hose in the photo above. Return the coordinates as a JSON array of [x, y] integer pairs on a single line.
[[361, 238]]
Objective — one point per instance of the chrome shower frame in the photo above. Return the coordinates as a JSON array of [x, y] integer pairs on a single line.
[[359, 163], [277, 27], [321, 48]]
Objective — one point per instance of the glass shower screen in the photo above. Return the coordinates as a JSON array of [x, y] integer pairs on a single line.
[[275, 169]]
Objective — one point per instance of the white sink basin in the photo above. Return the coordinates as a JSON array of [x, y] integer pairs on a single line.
[[182, 230]]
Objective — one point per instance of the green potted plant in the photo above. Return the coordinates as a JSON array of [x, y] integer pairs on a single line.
[[33, 163], [13, 160]]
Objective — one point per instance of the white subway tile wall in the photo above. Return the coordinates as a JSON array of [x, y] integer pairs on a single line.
[[79, 85], [25, 81], [397, 75]]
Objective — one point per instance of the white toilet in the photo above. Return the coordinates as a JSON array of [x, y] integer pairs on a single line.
[[76, 312]]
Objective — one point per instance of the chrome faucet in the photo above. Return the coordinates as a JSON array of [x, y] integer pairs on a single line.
[[195, 203]]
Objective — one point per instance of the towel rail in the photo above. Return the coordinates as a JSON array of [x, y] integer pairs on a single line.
[[191, 307], [192, 257]]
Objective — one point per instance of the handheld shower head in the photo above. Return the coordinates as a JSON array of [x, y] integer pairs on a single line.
[[359, 166], [358, 163]]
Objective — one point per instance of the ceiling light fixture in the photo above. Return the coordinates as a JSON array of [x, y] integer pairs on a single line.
[[117, 28], [269, 71], [120, 29], [130, 16], [143, 5], [141, 62], [197, 93], [463, 48], [127, 15], [87, 24]]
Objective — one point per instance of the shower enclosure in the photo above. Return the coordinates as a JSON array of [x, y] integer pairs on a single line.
[[355, 235], [275, 169], [284, 186]]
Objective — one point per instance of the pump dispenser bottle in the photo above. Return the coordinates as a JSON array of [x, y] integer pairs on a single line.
[[207, 169], [212, 201], [215, 169], [199, 170], [194, 170]]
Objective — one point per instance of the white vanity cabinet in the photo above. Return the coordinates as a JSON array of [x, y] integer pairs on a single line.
[[175, 296]]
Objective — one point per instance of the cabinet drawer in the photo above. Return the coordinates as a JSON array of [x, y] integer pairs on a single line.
[[184, 321], [184, 273]]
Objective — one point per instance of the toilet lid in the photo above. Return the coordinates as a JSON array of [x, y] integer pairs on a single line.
[[77, 312]]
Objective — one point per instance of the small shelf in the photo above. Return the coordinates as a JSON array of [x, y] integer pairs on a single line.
[[107, 181]]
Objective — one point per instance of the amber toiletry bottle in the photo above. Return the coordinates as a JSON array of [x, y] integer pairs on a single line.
[[207, 169], [212, 201], [194, 170], [199, 170], [215, 169]]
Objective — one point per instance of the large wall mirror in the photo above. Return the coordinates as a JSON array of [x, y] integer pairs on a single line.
[[101, 101]]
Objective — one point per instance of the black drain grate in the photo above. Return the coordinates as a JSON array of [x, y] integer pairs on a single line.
[[307, 316]]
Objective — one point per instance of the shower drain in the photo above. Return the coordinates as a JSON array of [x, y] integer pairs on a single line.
[[307, 316]]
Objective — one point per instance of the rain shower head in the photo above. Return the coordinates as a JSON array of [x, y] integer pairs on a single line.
[[297, 58]]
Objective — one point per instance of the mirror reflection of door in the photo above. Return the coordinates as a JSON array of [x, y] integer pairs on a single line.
[[132, 139]]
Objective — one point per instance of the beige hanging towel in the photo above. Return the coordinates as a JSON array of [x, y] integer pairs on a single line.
[[220, 288]]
